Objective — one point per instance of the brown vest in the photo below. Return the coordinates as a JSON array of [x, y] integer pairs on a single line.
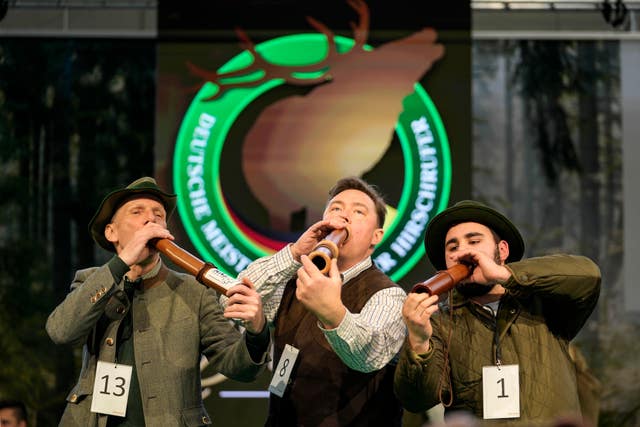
[[322, 390]]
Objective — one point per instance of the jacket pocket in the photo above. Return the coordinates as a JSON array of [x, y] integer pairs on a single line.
[[78, 413], [195, 417], [82, 389]]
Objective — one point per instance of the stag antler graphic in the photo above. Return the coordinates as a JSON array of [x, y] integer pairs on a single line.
[[300, 145], [265, 71]]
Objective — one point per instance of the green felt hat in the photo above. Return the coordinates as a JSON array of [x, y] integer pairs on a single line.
[[113, 200], [469, 211]]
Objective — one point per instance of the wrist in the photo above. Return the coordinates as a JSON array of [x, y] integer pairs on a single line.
[[333, 320], [419, 347], [505, 275], [295, 253]]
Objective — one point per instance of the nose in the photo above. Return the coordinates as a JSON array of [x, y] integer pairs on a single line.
[[151, 217], [345, 216]]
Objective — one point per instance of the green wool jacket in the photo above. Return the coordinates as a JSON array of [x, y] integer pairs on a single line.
[[175, 322], [548, 299]]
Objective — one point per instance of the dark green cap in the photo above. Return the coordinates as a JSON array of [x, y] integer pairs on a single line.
[[469, 211], [111, 203]]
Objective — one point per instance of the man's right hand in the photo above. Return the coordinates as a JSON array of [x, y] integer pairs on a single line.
[[137, 249], [313, 235]]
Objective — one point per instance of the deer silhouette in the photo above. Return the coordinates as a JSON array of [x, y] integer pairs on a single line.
[[299, 146]]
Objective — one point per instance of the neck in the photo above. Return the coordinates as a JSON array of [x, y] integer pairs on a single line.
[[493, 295], [140, 269]]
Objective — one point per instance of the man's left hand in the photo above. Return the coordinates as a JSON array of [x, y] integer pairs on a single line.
[[320, 294], [245, 304]]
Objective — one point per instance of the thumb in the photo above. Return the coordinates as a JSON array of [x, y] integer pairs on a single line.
[[246, 281], [334, 273]]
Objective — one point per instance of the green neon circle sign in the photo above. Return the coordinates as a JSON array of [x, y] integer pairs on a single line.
[[223, 239]]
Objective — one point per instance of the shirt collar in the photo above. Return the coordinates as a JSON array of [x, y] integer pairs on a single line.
[[353, 271]]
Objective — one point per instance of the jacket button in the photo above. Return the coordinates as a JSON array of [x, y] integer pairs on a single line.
[[205, 420], [120, 309], [93, 299], [109, 341], [74, 398]]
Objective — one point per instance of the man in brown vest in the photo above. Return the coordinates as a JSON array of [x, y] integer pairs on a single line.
[[336, 335]]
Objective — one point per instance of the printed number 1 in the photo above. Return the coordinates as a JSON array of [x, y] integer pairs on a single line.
[[501, 382], [118, 386]]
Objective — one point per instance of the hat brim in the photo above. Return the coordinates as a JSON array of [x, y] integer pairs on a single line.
[[114, 200], [440, 224]]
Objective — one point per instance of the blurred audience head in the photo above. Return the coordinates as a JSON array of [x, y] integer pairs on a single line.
[[13, 413]]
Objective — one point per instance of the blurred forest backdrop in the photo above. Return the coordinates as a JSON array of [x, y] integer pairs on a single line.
[[77, 119]]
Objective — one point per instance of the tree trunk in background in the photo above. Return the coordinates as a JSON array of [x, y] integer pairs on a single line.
[[589, 150], [611, 250], [58, 134]]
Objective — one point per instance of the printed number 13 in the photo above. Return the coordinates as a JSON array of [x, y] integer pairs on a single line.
[[119, 386]]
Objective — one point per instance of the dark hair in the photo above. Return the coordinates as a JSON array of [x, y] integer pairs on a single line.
[[355, 183], [19, 408]]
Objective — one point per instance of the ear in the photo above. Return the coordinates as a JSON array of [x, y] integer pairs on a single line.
[[503, 250], [110, 233], [377, 236]]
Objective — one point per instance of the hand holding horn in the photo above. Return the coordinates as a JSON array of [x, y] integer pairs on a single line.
[[328, 248]]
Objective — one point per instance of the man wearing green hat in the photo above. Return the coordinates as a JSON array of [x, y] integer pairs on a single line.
[[144, 327], [498, 349]]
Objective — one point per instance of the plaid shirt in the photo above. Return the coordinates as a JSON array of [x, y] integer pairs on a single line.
[[365, 341]]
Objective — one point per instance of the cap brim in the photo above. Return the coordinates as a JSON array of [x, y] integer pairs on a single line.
[[112, 202], [440, 224]]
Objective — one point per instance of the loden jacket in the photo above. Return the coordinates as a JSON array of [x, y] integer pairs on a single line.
[[175, 322], [548, 299]]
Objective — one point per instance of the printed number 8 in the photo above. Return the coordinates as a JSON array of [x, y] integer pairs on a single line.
[[283, 370]]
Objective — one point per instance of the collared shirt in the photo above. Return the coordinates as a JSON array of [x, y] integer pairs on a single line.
[[365, 341], [126, 355]]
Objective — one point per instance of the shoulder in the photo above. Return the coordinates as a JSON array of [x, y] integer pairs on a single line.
[[373, 273], [186, 284]]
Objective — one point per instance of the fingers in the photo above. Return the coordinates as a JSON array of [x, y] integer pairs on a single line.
[[418, 308], [308, 269], [242, 288], [248, 282], [245, 304], [334, 272]]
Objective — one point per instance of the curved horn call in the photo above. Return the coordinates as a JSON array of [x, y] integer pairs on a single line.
[[327, 249], [205, 272], [444, 280]]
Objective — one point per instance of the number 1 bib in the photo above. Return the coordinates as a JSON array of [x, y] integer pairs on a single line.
[[500, 391]]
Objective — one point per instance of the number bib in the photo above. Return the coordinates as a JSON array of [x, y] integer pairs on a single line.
[[283, 370], [111, 389], [500, 392]]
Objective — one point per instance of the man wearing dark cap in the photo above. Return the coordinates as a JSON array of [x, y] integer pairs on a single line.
[[144, 327], [498, 349]]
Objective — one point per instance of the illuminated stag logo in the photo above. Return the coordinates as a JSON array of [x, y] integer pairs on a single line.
[[299, 145]]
